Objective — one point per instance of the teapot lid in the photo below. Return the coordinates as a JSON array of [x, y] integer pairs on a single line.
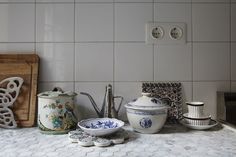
[[56, 92], [146, 102]]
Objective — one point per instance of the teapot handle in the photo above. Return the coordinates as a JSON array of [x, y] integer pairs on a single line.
[[121, 100]]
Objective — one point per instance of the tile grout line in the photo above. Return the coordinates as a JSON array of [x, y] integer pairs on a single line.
[[35, 23], [113, 43], [74, 72], [153, 48], [230, 50], [192, 49]]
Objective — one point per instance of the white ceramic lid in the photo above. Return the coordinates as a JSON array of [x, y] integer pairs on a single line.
[[56, 92], [146, 102]]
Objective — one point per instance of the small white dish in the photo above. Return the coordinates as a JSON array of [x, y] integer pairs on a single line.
[[199, 127], [100, 126], [204, 120]]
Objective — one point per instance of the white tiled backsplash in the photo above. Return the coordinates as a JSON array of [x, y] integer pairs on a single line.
[[86, 44]]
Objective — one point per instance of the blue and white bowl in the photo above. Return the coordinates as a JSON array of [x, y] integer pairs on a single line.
[[100, 126]]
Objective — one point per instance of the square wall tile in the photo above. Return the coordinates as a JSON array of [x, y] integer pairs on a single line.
[[94, 22], [94, 1], [233, 86], [17, 48], [233, 61], [94, 62], [211, 61], [172, 12], [56, 61], [173, 62], [18, 1], [17, 22], [187, 94], [49, 86], [206, 23], [96, 90], [54, 22], [133, 62], [129, 91], [233, 21], [207, 1], [133, 0], [175, 1], [206, 92], [130, 20], [55, 1]]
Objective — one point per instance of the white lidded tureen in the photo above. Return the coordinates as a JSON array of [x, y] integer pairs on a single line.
[[146, 114]]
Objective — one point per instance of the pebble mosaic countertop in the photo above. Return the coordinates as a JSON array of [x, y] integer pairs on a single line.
[[173, 140]]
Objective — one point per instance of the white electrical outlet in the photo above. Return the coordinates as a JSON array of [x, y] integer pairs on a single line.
[[154, 33], [165, 33], [176, 33], [157, 32]]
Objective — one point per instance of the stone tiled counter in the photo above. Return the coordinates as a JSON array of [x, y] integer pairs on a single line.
[[173, 140]]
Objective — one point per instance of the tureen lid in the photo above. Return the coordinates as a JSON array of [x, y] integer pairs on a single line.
[[146, 102], [56, 92]]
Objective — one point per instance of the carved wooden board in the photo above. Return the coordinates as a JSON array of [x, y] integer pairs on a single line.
[[26, 67]]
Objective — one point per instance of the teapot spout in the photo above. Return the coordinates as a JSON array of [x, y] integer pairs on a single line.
[[93, 103]]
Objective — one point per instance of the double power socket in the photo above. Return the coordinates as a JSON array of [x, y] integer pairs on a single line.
[[165, 33]]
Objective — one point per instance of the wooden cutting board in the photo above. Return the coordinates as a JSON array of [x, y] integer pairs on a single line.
[[26, 67]]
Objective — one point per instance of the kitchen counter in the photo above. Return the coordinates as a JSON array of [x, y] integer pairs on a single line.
[[172, 140]]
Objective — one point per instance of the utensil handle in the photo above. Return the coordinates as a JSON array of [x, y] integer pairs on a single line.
[[121, 100]]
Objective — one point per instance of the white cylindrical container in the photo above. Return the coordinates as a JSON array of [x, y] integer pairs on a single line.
[[195, 109], [56, 112]]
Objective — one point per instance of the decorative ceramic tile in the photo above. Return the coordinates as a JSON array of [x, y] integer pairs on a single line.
[[94, 22], [170, 94], [94, 62], [54, 22], [17, 22], [205, 23], [130, 19], [206, 59]]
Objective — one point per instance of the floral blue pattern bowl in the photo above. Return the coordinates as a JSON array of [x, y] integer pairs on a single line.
[[100, 126]]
